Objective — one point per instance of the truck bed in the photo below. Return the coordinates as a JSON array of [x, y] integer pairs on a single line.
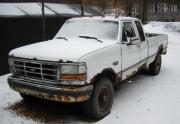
[[155, 40], [150, 35]]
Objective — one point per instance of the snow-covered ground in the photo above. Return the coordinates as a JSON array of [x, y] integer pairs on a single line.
[[143, 99]]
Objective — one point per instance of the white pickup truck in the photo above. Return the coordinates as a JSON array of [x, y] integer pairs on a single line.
[[85, 60]]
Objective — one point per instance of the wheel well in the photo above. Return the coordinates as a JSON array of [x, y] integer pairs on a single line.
[[160, 50], [109, 72]]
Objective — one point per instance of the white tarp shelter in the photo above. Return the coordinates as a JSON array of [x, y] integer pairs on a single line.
[[51, 9]]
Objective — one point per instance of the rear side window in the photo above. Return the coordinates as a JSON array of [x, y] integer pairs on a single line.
[[128, 29], [140, 30]]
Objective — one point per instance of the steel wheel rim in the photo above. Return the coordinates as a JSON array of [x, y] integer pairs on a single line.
[[104, 99]]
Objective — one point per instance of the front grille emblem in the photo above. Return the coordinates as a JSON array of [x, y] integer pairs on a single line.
[[32, 69]]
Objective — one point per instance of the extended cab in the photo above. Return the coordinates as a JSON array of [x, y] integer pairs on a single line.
[[85, 60]]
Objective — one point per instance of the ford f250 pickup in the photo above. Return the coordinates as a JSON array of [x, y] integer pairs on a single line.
[[85, 60]]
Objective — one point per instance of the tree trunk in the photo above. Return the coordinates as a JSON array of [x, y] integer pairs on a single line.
[[156, 6], [82, 9], [144, 11], [129, 8]]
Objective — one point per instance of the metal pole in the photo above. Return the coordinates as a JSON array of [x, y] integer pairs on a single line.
[[43, 22]]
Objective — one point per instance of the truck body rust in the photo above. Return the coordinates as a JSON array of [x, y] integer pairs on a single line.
[[52, 97]]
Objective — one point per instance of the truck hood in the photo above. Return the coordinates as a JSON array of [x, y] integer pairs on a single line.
[[60, 49]]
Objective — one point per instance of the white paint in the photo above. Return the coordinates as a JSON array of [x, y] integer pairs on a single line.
[[98, 56], [60, 49]]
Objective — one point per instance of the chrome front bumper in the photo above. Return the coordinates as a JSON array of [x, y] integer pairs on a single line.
[[59, 93]]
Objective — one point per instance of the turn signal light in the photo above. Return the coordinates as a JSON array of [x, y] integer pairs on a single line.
[[73, 76]]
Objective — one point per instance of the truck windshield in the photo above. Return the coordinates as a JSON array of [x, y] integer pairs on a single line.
[[99, 29]]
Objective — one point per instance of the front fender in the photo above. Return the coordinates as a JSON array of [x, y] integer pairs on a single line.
[[103, 58]]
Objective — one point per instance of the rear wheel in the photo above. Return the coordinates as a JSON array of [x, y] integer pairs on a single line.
[[101, 99], [154, 68]]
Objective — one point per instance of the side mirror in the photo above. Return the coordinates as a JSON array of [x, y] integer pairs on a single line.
[[135, 41], [128, 42], [132, 41]]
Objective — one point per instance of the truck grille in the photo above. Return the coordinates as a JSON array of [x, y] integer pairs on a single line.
[[36, 69]]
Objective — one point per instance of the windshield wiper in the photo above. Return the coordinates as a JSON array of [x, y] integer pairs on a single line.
[[89, 37], [62, 38]]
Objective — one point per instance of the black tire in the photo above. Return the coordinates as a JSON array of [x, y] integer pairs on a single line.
[[155, 67], [101, 99], [28, 98]]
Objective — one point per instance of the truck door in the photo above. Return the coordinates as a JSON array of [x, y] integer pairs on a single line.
[[144, 42], [130, 53]]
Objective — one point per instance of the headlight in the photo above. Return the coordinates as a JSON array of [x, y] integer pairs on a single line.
[[73, 71], [69, 69], [11, 65]]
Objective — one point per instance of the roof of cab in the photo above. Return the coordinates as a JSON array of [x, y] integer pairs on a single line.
[[110, 18]]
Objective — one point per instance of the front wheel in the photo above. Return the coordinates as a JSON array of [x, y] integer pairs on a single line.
[[101, 99], [28, 98], [155, 67]]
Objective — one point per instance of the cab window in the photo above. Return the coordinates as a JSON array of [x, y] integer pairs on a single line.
[[128, 29], [140, 30]]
